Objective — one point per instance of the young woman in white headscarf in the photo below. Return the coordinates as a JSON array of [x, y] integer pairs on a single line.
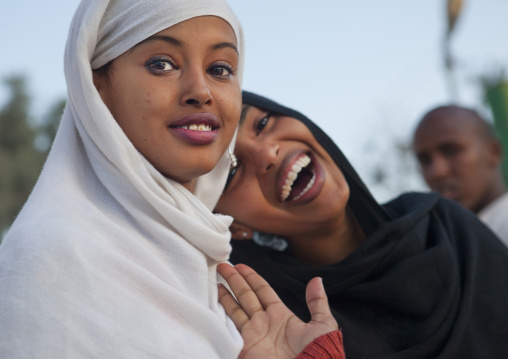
[[115, 253]]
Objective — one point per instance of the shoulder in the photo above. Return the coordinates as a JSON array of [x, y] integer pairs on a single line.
[[426, 202], [497, 208], [434, 216], [495, 216], [411, 203]]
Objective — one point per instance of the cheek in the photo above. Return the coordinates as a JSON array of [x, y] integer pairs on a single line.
[[337, 180], [252, 206], [131, 117], [231, 105], [426, 174], [466, 157], [339, 195], [127, 102]]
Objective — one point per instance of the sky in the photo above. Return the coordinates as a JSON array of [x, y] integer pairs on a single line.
[[364, 70]]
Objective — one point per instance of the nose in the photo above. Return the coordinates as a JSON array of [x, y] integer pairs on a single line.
[[265, 155], [195, 88]]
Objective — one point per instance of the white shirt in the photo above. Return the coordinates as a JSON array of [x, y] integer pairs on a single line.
[[495, 215]]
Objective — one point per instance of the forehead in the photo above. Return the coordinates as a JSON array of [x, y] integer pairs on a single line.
[[203, 25], [246, 109], [214, 33], [435, 132]]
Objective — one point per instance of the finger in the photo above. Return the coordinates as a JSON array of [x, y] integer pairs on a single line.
[[317, 302], [241, 289], [264, 292], [232, 307]]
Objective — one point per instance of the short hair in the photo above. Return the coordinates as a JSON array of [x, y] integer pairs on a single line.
[[486, 129]]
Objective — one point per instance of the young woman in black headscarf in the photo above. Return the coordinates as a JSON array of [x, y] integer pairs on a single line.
[[418, 277]]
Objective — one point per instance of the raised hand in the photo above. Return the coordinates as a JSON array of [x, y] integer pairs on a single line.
[[269, 329]]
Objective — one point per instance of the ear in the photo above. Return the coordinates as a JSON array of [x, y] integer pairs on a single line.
[[240, 232], [495, 153]]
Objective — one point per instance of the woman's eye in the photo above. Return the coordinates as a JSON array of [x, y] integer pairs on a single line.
[[262, 123], [160, 65], [221, 71], [231, 174]]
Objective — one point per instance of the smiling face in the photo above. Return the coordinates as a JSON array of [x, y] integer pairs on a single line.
[[177, 96], [285, 182]]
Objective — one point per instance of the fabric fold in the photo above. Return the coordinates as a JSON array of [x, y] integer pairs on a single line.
[[108, 258], [427, 282]]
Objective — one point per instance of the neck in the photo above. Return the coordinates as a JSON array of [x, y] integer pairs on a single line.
[[190, 186], [331, 244]]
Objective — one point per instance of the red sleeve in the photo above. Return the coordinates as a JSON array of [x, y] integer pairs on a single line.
[[327, 346]]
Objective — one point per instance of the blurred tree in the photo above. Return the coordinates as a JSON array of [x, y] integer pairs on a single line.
[[495, 89], [392, 167], [15, 130], [19, 161], [24, 144], [46, 131]]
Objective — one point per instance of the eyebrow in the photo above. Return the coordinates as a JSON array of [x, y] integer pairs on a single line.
[[168, 39], [224, 45], [173, 41]]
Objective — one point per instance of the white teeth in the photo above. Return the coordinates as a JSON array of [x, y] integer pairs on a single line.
[[296, 168], [302, 162], [309, 186], [195, 127]]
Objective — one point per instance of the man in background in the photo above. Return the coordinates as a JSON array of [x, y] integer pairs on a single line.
[[460, 157]]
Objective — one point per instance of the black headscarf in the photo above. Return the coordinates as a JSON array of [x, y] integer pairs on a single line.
[[430, 280]]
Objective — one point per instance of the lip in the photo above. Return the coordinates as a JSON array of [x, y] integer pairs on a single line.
[[447, 190], [286, 167], [199, 137]]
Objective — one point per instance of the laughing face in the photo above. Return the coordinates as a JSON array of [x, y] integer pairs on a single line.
[[285, 183], [177, 96]]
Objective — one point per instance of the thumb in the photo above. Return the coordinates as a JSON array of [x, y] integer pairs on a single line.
[[317, 302]]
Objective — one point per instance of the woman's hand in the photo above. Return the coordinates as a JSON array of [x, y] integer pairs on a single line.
[[269, 329]]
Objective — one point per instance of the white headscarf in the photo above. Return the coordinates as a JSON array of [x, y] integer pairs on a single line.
[[108, 258]]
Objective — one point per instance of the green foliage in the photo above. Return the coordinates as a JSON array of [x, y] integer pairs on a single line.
[[24, 144], [15, 131], [496, 95]]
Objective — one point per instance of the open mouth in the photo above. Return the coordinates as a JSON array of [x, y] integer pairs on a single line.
[[299, 180], [446, 190], [199, 128], [196, 127]]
